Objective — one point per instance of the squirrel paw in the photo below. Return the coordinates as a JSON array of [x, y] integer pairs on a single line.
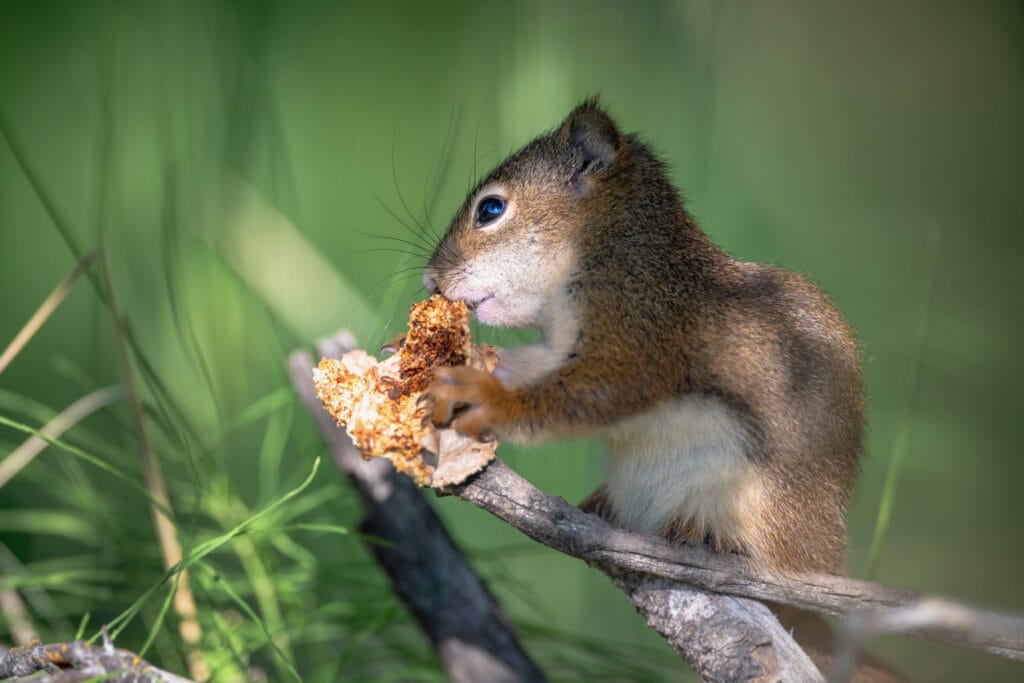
[[465, 399]]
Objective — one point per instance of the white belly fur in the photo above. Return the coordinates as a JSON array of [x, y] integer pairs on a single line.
[[685, 460]]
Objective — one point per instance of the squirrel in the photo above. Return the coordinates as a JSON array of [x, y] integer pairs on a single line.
[[728, 393]]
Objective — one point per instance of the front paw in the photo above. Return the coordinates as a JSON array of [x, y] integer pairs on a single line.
[[465, 399]]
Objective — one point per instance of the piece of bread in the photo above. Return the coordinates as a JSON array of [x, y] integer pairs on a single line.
[[377, 403]]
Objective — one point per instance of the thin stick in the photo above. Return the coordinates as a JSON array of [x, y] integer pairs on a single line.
[[929, 614], [87, 663], [564, 527], [47, 308]]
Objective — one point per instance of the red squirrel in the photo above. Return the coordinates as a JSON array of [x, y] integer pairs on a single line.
[[728, 393]]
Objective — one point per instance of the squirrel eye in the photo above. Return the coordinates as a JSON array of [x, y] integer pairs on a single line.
[[489, 209]]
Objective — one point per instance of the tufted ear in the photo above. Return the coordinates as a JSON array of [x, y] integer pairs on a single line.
[[593, 141]]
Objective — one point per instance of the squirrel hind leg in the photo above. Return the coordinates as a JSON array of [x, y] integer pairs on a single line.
[[688, 532], [679, 530], [691, 532]]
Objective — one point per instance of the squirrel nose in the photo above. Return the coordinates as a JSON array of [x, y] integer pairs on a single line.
[[429, 283]]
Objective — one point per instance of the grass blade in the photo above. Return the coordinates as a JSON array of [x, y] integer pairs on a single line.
[[46, 309], [34, 445], [899, 448], [203, 550]]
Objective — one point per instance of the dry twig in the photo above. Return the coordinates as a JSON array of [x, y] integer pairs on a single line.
[[79, 661], [926, 615], [559, 525]]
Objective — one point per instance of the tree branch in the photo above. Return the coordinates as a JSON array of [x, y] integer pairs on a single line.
[[724, 638], [564, 527], [79, 662]]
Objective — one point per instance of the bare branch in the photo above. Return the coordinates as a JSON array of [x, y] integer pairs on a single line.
[[927, 614], [559, 525], [723, 637], [79, 661]]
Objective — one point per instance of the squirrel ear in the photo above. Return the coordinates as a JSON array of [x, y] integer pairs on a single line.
[[592, 138]]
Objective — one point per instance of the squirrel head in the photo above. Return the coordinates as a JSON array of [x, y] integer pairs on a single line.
[[510, 249]]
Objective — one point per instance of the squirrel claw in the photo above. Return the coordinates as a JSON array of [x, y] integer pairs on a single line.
[[464, 398], [395, 344]]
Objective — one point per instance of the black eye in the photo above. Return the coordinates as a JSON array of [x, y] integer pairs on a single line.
[[488, 209]]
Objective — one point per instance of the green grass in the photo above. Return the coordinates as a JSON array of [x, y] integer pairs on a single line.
[[262, 174]]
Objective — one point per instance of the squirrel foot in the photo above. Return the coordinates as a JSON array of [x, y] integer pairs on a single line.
[[597, 504], [691, 533], [465, 399]]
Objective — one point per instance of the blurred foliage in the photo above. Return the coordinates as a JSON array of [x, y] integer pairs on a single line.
[[250, 170]]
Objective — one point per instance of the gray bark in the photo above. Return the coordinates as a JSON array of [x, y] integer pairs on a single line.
[[564, 527], [723, 637]]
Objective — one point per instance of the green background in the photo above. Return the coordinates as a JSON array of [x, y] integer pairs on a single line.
[[245, 164]]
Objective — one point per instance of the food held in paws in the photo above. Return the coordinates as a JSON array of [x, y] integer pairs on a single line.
[[378, 403]]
